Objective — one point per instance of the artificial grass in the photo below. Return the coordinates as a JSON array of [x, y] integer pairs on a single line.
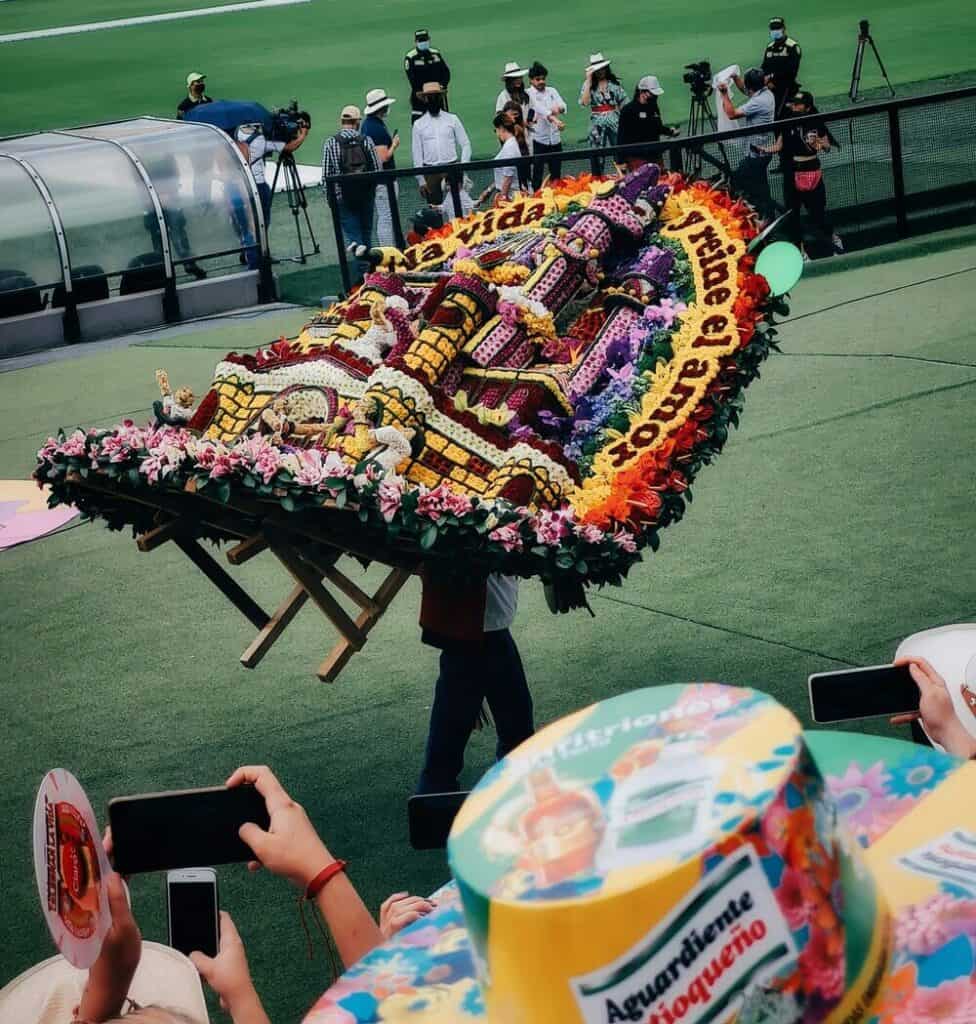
[[838, 520]]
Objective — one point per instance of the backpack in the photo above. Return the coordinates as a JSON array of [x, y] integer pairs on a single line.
[[353, 159]]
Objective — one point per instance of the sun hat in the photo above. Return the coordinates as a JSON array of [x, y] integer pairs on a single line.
[[376, 99], [649, 83], [431, 89], [688, 853], [597, 61], [47, 992], [513, 70], [194, 76], [350, 113]]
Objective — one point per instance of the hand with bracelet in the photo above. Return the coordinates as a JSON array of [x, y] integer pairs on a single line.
[[293, 849]]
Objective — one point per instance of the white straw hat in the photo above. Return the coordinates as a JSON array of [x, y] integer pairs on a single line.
[[513, 70], [597, 61], [376, 99]]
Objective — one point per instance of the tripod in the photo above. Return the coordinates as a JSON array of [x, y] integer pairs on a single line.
[[863, 38], [297, 203], [701, 121]]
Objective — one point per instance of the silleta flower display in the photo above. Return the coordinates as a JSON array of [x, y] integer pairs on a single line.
[[530, 390]]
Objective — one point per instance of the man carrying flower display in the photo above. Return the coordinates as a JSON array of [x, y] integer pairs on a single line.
[[751, 177]]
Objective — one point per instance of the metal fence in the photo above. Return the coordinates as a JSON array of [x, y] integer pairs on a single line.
[[901, 167]]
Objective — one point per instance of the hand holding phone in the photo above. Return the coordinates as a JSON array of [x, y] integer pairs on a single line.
[[874, 692]]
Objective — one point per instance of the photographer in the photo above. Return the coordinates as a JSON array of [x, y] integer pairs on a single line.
[[640, 121], [751, 177], [255, 147]]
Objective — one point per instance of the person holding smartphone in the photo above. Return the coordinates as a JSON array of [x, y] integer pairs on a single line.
[[374, 127], [936, 711], [545, 125]]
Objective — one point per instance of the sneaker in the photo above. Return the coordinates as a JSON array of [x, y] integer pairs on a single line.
[[838, 243]]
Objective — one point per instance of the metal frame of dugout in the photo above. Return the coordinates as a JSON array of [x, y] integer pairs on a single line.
[[102, 223], [904, 167]]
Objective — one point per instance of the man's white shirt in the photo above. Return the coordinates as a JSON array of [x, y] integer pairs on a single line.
[[436, 140], [545, 103]]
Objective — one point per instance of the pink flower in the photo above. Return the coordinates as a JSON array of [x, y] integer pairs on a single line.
[[390, 495], [333, 465], [432, 503], [310, 468], [204, 454], [791, 898], [552, 525], [73, 445], [823, 967], [857, 793], [952, 1002], [50, 447], [508, 536], [222, 466], [923, 927], [151, 468], [508, 311], [457, 504], [267, 463], [590, 533], [625, 541]]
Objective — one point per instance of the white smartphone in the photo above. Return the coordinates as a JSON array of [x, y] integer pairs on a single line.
[[193, 910]]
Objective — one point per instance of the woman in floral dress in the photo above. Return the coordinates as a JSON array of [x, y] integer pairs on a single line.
[[605, 97]]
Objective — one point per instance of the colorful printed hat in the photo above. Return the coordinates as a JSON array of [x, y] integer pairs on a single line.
[[687, 854]]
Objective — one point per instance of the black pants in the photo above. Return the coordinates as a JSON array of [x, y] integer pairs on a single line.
[[751, 180], [468, 677], [815, 202], [544, 160]]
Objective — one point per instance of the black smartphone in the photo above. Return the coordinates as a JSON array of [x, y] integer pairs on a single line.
[[430, 818], [193, 910], [875, 692], [162, 831]]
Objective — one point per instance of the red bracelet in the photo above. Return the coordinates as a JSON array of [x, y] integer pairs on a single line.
[[322, 879]]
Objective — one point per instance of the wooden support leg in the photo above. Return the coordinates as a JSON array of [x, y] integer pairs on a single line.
[[247, 549], [339, 656], [327, 604], [152, 539], [278, 623], [217, 575]]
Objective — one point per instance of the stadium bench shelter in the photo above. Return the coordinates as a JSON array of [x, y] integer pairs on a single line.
[[116, 227]]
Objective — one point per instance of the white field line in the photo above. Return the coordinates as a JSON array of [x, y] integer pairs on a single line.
[[147, 19]]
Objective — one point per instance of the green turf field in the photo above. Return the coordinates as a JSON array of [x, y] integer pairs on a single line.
[[838, 520], [328, 53]]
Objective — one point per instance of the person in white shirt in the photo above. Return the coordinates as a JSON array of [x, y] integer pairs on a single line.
[[436, 138], [545, 126], [505, 176], [513, 78]]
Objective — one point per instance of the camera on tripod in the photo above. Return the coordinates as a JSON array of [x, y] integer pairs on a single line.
[[698, 77], [287, 122]]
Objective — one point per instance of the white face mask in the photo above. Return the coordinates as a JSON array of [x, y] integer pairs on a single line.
[[424, 46]]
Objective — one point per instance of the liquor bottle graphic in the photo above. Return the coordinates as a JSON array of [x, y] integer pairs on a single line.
[[561, 830]]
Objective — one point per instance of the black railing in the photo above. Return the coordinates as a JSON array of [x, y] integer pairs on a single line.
[[903, 166]]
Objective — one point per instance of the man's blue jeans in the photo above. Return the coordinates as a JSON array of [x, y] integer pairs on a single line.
[[356, 222]]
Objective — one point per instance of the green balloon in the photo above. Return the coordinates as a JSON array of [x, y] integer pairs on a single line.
[[782, 266]]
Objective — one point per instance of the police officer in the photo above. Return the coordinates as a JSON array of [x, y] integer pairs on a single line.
[[424, 64], [781, 63]]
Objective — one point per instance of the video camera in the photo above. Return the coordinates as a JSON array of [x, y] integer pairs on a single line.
[[698, 77], [286, 122]]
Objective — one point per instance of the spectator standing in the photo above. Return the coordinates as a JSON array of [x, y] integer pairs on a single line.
[[374, 127], [196, 85], [545, 127], [517, 126], [751, 177], [435, 142], [505, 177], [602, 93], [351, 152], [513, 80], [781, 63], [255, 147], [640, 121], [803, 185], [424, 64]]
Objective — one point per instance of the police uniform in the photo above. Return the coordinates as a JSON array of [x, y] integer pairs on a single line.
[[782, 61], [422, 66]]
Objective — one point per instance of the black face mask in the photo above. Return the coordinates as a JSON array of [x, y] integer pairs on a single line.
[[435, 104]]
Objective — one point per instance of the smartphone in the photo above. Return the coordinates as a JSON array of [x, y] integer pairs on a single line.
[[875, 692], [430, 818], [193, 910], [163, 831]]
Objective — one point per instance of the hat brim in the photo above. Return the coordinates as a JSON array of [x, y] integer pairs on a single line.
[[371, 108], [891, 825], [598, 66], [518, 73]]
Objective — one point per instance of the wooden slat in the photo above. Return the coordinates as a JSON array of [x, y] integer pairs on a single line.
[[247, 549], [327, 604], [152, 539], [279, 622], [339, 656], [342, 582], [217, 575]]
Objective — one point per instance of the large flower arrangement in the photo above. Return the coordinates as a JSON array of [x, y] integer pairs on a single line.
[[643, 400]]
